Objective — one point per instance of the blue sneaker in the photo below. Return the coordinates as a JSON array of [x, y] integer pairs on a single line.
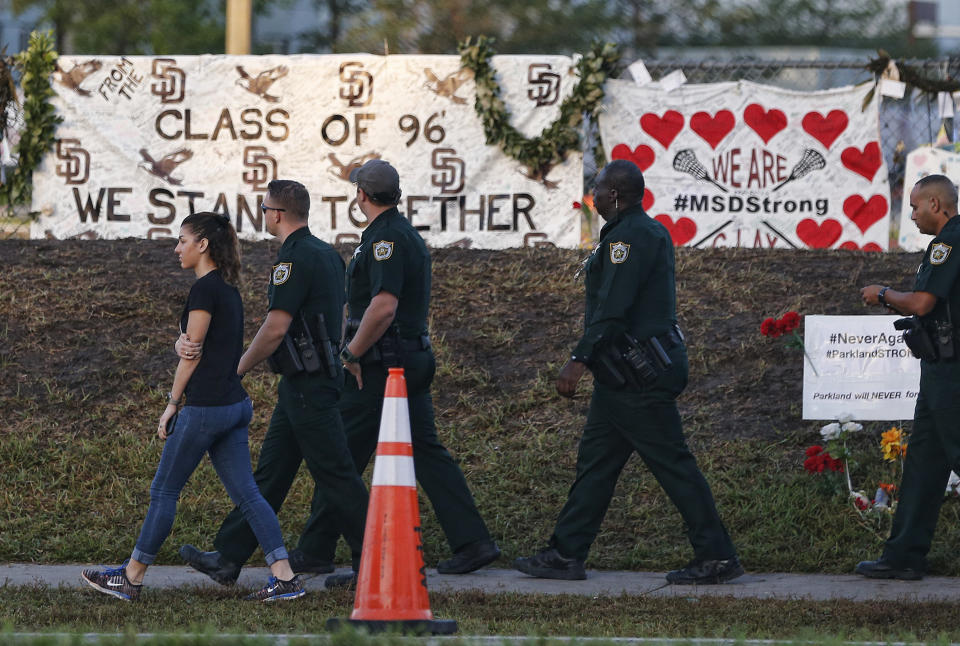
[[113, 581], [277, 590]]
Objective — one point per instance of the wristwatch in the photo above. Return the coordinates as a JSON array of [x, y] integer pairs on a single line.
[[883, 301], [171, 400], [348, 357]]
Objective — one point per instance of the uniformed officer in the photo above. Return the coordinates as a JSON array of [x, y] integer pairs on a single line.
[[388, 295], [307, 279], [632, 344], [934, 447]]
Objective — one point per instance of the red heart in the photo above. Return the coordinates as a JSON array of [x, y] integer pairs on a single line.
[[712, 129], [865, 163], [852, 246], [865, 213], [662, 129], [642, 156], [681, 232], [765, 123], [647, 199], [819, 236], [825, 129]]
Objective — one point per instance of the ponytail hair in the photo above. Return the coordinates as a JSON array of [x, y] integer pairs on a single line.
[[222, 242]]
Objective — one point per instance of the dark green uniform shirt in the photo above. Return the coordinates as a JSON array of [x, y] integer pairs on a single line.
[[629, 282], [392, 257], [309, 276], [939, 274]]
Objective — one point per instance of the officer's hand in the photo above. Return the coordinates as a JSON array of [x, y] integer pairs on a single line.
[[168, 412], [187, 349], [569, 377], [869, 294], [354, 369]]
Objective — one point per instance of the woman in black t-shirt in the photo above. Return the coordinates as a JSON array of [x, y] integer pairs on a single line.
[[214, 418]]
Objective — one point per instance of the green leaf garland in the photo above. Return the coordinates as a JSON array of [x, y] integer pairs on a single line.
[[541, 153], [36, 64]]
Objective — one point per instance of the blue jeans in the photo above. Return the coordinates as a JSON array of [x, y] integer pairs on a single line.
[[220, 431]]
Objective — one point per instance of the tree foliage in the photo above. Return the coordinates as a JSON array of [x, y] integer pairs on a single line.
[[855, 24], [640, 27], [135, 26], [436, 26]]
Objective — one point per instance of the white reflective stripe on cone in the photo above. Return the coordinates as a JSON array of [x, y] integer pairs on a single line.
[[395, 420], [394, 471]]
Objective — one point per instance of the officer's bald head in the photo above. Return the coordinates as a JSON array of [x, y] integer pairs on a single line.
[[626, 178], [940, 187]]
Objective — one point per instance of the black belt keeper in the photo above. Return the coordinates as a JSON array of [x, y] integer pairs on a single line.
[[672, 338], [375, 355]]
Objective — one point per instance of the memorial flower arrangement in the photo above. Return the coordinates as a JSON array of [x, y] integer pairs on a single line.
[[837, 457]]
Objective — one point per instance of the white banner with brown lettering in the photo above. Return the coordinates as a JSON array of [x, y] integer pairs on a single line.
[[147, 140], [748, 165]]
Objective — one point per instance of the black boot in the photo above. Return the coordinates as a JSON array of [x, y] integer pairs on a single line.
[[210, 563], [551, 564], [472, 557], [706, 572]]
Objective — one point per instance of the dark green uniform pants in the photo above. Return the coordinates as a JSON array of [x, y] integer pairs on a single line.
[[619, 423], [305, 426], [933, 450], [438, 474]]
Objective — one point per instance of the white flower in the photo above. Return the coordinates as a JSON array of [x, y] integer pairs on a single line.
[[851, 427], [844, 418], [953, 482], [830, 432]]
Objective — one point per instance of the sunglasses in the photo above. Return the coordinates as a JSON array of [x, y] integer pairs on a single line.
[[264, 208]]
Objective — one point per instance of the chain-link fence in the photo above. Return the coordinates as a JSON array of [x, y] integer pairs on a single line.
[[904, 123]]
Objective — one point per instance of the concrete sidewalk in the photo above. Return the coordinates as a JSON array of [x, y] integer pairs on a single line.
[[817, 587]]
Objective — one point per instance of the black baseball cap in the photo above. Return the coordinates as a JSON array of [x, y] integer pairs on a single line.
[[379, 180]]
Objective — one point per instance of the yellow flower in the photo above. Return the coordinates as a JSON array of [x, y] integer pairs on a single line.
[[893, 444]]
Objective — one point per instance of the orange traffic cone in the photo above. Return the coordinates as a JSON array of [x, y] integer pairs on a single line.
[[392, 582]]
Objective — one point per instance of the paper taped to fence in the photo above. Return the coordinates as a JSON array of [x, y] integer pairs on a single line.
[[857, 366], [147, 140], [920, 163], [747, 165]]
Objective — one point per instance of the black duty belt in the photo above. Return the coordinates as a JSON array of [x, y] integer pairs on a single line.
[[416, 344]]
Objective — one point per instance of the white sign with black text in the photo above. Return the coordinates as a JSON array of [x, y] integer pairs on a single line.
[[857, 366]]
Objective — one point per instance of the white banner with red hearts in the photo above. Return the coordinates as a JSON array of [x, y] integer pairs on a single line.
[[749, 165], [920, 163]]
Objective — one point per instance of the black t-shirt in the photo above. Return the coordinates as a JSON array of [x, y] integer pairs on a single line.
[[215, 381]]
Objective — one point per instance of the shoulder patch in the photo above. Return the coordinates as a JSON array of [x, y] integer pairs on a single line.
[[619, 252], [282, 272], [382, 250], [939, 253]]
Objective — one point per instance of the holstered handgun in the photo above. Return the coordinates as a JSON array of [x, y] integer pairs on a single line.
[[922, 344], [298, 352]]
